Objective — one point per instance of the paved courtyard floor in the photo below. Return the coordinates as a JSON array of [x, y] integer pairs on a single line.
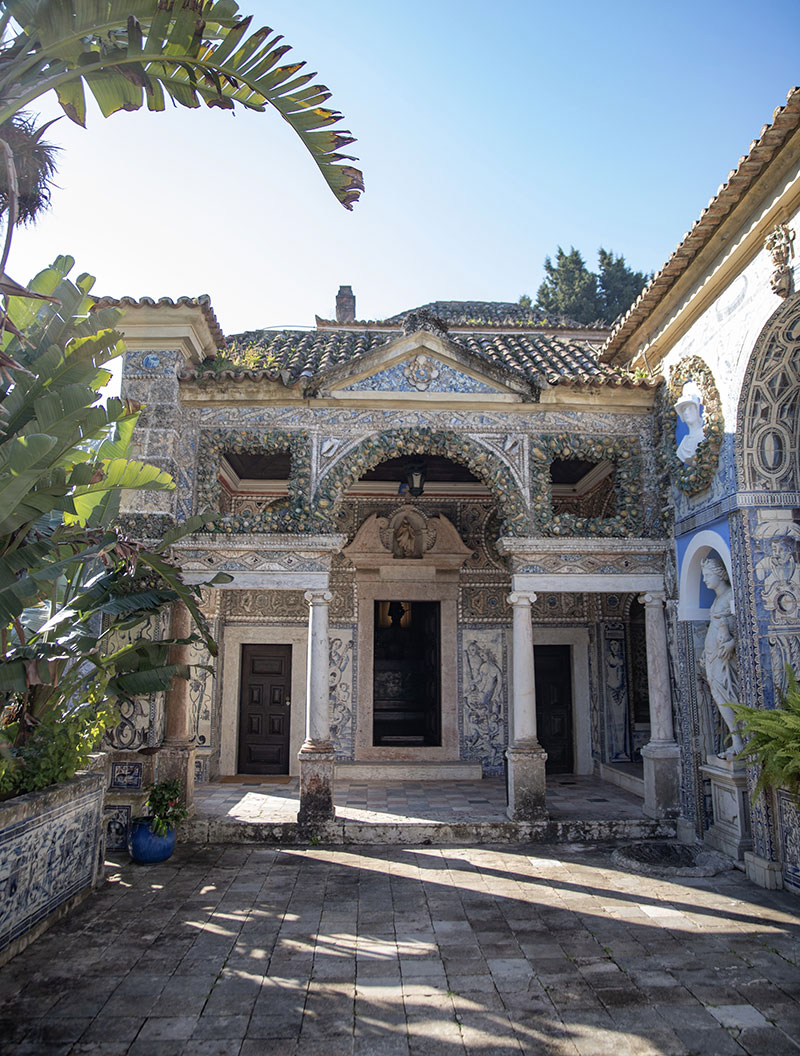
[[407, 802], [389, 951]]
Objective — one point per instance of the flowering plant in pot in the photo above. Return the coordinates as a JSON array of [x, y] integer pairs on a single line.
[[152, 837]]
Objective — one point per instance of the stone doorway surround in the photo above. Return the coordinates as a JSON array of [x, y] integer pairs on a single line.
[[408, 557], [588, 565], [278, 562]]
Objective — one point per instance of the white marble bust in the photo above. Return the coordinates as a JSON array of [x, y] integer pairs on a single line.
[[689, 407]]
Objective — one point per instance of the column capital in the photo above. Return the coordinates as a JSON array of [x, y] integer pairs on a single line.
[[521, 597], [652, 597], [318, 597]]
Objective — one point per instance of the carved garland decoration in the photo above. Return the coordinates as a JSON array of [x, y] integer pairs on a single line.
[[696, 475], [293, 514], [624, 452], [487, 467]]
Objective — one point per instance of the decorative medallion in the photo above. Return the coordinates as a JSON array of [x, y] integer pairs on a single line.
[[691, 450], [421, 371]]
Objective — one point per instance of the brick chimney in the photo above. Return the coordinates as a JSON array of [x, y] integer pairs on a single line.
[[345, 305]]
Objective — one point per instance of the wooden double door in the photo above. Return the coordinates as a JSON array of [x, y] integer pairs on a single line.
[[264, 705]]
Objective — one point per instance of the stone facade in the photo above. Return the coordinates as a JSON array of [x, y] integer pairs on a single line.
[[631, 499]]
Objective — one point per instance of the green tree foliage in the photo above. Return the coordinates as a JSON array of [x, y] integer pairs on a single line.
[[570, 290], [618, 285], [68, 581]]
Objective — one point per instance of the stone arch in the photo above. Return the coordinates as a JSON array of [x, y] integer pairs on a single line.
[[768, 417], [484, 463]]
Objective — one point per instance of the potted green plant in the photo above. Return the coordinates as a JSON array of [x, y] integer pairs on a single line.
[[152, 837]]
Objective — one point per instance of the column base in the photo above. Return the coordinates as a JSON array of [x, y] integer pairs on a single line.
[[661, 779], [730, 830], [175, 762], [316, 783], [763, 872], [526, 782]]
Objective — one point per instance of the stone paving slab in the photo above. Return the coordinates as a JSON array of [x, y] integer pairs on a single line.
[[398, 951]]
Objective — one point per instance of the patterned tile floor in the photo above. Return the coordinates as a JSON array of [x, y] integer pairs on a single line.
[[569, 797]]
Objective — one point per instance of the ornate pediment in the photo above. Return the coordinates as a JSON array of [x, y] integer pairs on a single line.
[[407, 536], [420, 365]]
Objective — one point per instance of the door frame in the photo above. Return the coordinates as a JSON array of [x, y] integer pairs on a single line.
[[578, 639], [408, 583], [230, 678], [286, 738]]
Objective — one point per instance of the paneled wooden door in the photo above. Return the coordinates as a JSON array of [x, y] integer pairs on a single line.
[[264, 709]]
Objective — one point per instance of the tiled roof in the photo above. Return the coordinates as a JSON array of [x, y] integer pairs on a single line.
[[293, 355], [785, 121], [203, 302], [492, 315]]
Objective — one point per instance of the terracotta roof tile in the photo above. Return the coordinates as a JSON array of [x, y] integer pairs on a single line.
[[203, 302], [291, 356]]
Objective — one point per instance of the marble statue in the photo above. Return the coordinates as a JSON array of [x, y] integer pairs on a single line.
[[406, 538], [718, 660], [689, 408]]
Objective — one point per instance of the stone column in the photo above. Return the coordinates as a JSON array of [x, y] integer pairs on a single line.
[[176, 757], [317, 755], [661, 756], [526, 757]]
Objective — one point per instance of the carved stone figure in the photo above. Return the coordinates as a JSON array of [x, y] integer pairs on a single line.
[[617, 707], [718, 660], [405, 537], [690, 411], [779, 243]]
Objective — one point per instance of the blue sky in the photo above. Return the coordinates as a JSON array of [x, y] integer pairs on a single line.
[[488, 134]]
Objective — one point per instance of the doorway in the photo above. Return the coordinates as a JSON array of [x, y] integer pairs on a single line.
[[406, 695], [553, 668], [264, 709]]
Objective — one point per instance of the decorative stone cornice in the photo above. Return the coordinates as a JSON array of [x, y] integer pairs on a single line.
[[280, 561]]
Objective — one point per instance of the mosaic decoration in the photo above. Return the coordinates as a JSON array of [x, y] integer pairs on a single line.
[[695, 475], [141, 721], [766, 436], [485, 602], [146, 363], [117, 820], [342, 696], [485, 465], [293, 515], [483, 690], [47, 858], [201, 769], [789, 826], [268, 605], [201, 695], [624, 452], [126, 776], [421, 374]]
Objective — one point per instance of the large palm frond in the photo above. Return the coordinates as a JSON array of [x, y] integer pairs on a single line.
[[128, 52]]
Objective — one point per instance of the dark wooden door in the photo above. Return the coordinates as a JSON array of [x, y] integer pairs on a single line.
[[264, 709], [554, 706], [430, 655]]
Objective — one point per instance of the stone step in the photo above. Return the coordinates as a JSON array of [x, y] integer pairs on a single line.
[[208, 829], [406, 770]]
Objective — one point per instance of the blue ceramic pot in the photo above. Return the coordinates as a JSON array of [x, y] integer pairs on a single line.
[[144, 846]]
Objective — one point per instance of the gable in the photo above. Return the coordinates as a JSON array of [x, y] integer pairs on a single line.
[[422, 373], [422, 365]]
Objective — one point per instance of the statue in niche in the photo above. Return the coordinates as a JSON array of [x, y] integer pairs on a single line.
[[405, 537], [617, 712], [689, 408], [717, 663]]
